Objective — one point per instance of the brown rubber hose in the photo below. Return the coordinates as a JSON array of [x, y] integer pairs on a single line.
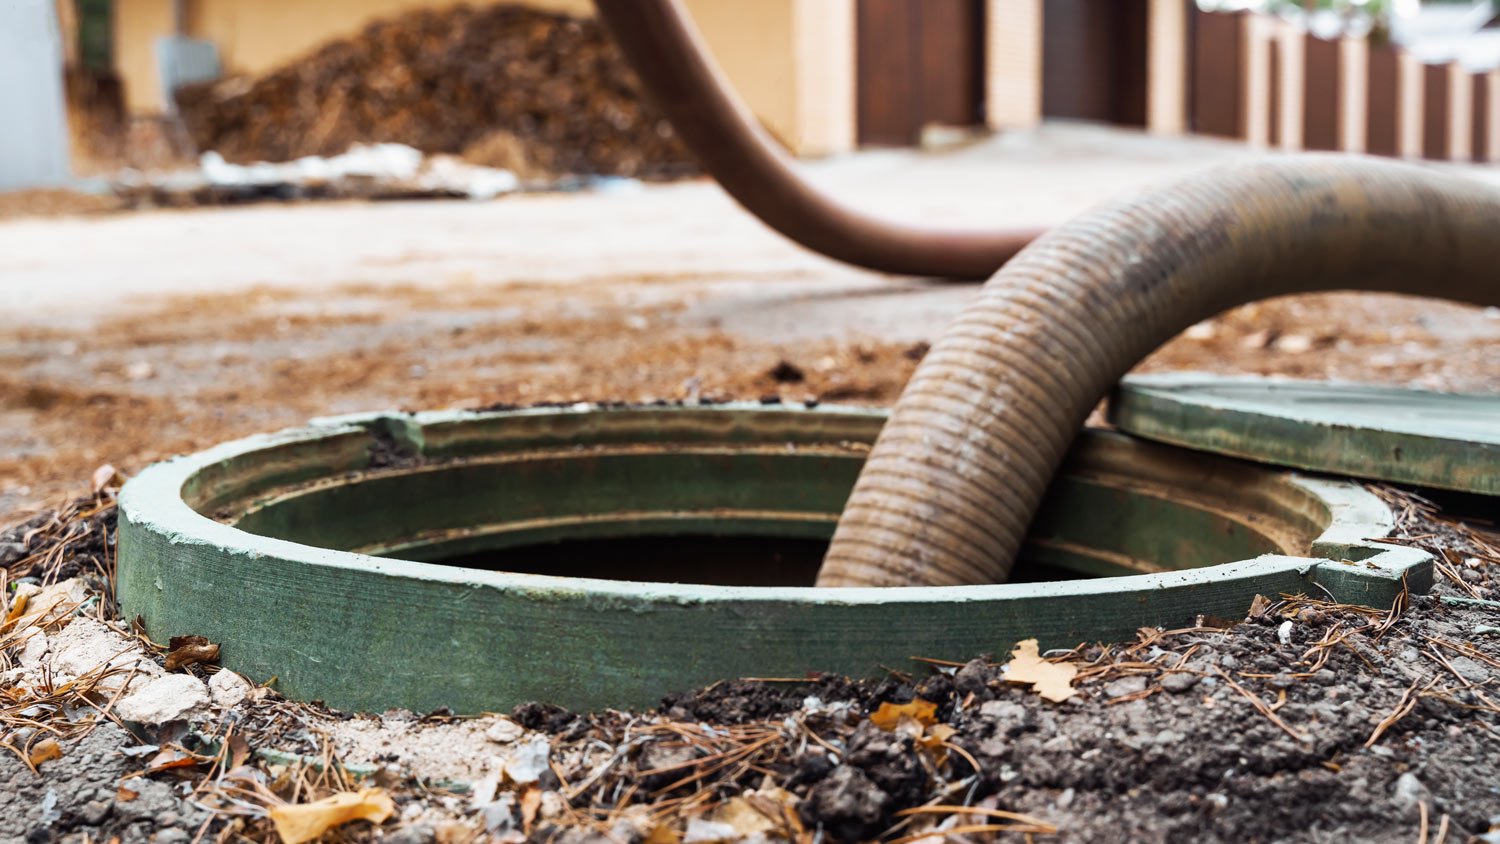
[[956, 476], [661, 43]]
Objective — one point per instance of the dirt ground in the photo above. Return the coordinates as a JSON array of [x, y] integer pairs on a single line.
[[125, 338]]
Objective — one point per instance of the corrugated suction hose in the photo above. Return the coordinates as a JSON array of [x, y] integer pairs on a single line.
[[956, 476]]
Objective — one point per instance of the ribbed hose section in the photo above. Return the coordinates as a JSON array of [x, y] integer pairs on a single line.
[[954, 480], [662, 45]]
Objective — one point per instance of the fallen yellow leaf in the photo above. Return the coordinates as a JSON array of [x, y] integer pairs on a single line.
[[889, 716], [306, 821], [936, 735], [1051, 680], [24, 593], [662, 834], [45, 751]]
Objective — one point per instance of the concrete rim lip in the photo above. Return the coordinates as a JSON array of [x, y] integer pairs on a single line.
[[360, 632], [1422, 437], [154, 496]]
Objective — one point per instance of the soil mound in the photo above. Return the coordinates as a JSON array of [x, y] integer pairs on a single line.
[[443, 81]]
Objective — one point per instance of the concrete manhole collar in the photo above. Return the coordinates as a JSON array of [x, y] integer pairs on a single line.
[[347, 558]]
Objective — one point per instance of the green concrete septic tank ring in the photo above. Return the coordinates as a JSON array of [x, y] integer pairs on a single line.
[[359, 560], [1443, 440]]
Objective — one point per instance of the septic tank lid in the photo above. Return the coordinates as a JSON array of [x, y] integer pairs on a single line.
[[1444, 440]]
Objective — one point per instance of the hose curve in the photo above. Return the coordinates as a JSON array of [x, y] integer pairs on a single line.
[[952, 483], [662, 45]]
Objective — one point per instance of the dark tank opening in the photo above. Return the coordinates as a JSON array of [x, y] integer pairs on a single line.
[[707, 560]]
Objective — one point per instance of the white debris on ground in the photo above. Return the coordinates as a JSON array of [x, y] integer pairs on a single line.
[[365, 170], [442, 751]]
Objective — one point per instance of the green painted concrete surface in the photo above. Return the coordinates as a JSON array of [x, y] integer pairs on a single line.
[[267, 546]]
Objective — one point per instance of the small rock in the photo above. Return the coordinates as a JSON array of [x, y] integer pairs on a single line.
[[228, 688], [1179, 681], [1408, 791], [85, 645], [700, 831], [94, 812], [504, 731], [1284, 632], [529, 761], [1125, 686], [1469, 669], [172, 697], [1202, 331], [418, 834], [172, 835], [34, 650], [1293, 343], [1004, 711], [1166, 738]]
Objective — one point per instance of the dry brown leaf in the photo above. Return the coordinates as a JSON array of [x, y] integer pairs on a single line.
[[190, 650], [663, 834], [239, 751], [23, 595], [889, 716], [171, 758], [1051, 680], [758, 813], [1259, 606], [936, 735], [306, 821], [125, 794], [531, 802], [105, 476], [45, 751]]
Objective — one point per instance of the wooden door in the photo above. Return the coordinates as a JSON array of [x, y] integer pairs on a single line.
[[1479, 144], [1382, 102], [919, 62], [1216, 99], [1094, 60], [1435, 96], [1321, 87]]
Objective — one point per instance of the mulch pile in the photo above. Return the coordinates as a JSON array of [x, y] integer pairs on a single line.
[[551, 92]]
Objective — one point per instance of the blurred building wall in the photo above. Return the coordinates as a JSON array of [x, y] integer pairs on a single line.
[[792, 60]]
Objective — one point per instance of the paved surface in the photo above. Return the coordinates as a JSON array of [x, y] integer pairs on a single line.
[[72, 267], [129, 337]]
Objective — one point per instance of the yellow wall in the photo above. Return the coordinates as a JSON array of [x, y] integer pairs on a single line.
[[791, 60], [138, 23]]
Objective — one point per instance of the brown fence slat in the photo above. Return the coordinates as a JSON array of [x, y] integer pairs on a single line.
[[1322, 88], [917, 62], [1273, 102], [951, 52], [1435, 111], [1479, 144], [1094, 60], [1217, 102], [1382, 106]]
